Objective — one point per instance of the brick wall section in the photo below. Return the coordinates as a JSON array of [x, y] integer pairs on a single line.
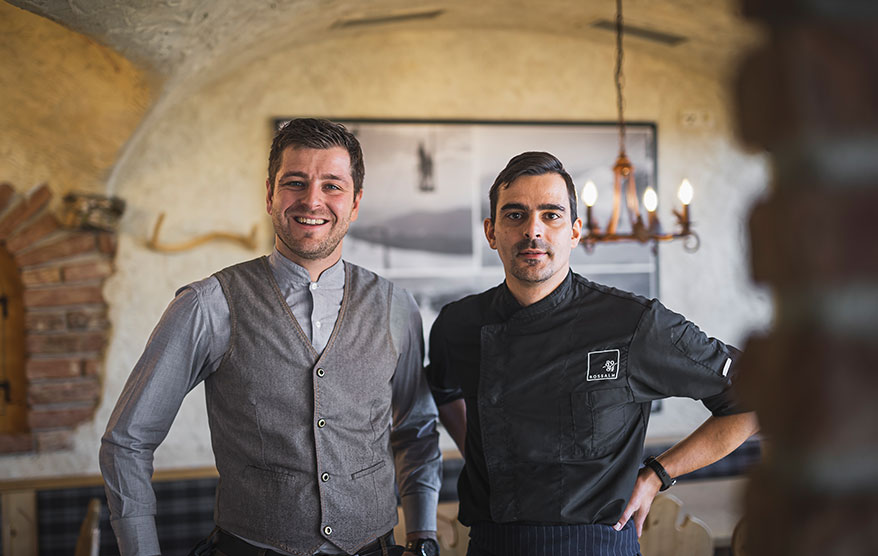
[[60, 296], [808, 97], [49, 392], [45, 321], [67, 328], [23, 210], [65, 367], [40, 276], [100, 268], [35, 230], [53, 417], [54, 440], [65, 245], [7, 192], [10, 443]]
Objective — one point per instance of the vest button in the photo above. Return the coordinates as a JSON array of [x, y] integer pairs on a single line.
[[320, 372], [327, 530], [321, 423], [324, 477]]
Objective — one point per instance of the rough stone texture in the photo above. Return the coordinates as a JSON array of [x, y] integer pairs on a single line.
[[68, 103], [192, 37], [813, 379]]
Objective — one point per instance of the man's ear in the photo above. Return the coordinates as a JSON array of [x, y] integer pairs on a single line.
[[577, 233], [489, 233], [268, 195], [355, 210]]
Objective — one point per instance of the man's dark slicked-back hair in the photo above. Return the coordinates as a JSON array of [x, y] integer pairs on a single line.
[[315, 133], [532, 163]]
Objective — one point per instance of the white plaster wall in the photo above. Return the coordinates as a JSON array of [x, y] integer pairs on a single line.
[[200, 157]]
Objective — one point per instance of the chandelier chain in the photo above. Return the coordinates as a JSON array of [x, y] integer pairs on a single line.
[[620, 77]]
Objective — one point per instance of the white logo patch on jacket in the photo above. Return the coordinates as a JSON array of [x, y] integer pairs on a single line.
[[603, 365]]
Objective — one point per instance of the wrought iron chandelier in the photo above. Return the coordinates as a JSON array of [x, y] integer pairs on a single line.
[[649, 231]]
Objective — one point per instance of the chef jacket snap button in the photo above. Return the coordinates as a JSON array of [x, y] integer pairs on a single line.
[[324, 477], [321, 423]]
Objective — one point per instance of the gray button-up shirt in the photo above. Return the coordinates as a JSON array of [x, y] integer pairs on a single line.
[[188, 345]]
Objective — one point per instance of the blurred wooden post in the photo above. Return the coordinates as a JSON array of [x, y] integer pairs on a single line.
[[809, 97]]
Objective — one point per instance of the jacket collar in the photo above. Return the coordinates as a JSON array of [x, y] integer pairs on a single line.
[[507, 308]]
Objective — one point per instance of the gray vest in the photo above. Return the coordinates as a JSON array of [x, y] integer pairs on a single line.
[[302, 441]]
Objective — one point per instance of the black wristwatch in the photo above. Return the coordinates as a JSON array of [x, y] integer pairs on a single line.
[[667, 481], [423, 547]]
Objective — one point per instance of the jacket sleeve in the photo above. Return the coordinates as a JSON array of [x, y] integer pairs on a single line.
[[438, 373], [671, 356]]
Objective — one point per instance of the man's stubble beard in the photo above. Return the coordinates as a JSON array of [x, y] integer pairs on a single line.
[[338, 229], [531, 271]]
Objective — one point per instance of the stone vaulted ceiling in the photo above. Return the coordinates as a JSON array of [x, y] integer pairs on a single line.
[[211, 37]]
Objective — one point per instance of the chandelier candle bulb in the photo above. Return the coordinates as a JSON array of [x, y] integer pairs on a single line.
[[650, 202], [589, 197], [685, 194]]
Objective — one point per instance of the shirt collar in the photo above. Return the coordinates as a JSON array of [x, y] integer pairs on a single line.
[[286, 271]]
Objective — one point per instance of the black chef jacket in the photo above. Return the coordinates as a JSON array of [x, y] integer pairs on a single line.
[[558, 395]]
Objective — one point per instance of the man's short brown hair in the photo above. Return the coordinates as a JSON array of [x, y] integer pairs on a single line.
[[316, 133], [532, 163]]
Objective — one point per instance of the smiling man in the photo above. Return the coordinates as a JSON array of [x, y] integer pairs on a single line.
[[545, 384], [313, 377]]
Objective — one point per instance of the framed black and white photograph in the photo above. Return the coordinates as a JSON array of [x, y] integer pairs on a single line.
[[426, 196]]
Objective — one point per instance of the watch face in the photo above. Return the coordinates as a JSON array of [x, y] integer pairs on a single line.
[[429, 547], [424, 547]]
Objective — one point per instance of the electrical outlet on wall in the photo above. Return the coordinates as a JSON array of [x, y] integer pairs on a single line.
[[696, 119]]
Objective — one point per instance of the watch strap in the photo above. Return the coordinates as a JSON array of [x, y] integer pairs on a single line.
[[667, 481]]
